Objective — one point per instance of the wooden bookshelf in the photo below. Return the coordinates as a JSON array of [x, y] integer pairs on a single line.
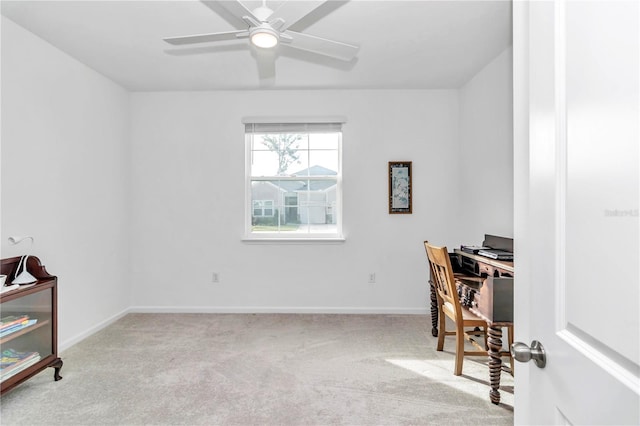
[[38, 342]]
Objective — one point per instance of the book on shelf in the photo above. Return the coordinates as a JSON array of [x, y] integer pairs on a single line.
[[11, 320], [17, 327], [12, 356], [16, 360], [15, 368]]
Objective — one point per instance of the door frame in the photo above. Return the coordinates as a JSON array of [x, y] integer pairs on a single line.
[[521, 291]]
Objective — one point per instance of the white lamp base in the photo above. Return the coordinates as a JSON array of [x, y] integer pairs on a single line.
[[24, 278]]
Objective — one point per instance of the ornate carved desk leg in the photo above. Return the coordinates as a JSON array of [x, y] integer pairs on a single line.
[[495, 362], [434, 310], [57, 365]]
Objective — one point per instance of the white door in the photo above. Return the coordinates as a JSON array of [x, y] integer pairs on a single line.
[[576, 123]]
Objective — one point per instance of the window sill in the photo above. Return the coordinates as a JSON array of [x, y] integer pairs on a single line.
[[300, 240]]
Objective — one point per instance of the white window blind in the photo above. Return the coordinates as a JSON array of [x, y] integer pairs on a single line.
[[270, 128]]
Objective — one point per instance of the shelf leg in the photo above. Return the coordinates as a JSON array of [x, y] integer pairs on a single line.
[[57, 365]]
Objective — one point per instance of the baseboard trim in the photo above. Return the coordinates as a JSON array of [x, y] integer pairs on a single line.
[[79, 337], [277, 310]]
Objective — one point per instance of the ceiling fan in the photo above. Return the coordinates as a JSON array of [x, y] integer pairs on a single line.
[[267, 29]]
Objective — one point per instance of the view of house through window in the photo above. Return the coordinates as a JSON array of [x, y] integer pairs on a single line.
[[294, 180]]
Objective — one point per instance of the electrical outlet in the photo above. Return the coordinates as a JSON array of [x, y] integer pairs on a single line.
[[215, 278], [372, 277]]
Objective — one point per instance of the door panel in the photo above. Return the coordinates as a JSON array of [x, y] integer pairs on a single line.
[[576, 104], [602, 173]]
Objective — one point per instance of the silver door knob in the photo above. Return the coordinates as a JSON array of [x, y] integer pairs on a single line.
[[524, 353]]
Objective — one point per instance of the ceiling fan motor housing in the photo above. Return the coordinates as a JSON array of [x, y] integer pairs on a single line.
[[262, 13], [264, 36]]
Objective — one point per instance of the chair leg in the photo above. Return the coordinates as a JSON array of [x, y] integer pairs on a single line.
[[442, 330], [459, 349], [486, 338]]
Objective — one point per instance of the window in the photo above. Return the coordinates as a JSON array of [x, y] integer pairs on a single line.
[[262, 208], [293, 180]]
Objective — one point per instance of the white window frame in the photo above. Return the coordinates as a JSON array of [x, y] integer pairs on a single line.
[[297, 125]]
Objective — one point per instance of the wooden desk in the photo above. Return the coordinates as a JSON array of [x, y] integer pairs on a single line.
[[491, 300]]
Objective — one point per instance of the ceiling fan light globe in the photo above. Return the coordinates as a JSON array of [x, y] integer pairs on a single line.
[[265, 38]]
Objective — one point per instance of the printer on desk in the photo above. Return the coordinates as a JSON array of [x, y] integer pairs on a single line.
[[493, 247], [496, 254]]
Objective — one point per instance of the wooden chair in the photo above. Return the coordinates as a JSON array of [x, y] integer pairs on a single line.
[[449, 306]]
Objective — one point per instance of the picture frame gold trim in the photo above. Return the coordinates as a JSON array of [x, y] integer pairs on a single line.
[[400, 187]]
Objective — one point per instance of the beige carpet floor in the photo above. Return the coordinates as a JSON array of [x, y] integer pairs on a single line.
[[260, 369]]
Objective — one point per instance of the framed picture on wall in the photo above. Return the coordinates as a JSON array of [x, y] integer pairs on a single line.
[[399, 187]]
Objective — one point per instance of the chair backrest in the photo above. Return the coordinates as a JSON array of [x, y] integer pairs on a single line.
[[442, 275]]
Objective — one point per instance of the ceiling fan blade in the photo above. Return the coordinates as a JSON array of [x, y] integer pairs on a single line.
[[292, 11], [237, 9], [266, 61], [322, 46], [206, 38]]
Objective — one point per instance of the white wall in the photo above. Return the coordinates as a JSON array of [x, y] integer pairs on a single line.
[[188, 201], [65, 172], [168, 167], [486, 152]]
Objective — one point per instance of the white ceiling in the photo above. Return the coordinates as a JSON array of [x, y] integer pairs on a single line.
[[423, 44]]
